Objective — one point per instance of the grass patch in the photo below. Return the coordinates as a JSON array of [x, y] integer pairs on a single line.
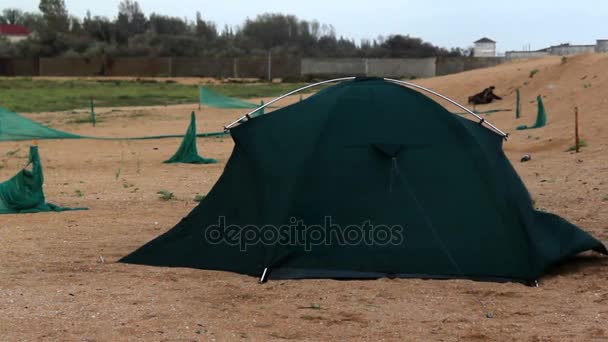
[[533, 72], [12, 153], [165, 195], [136, 115], [84, 120], [581, 144], [78, 193], [199, 198], [23, 94]]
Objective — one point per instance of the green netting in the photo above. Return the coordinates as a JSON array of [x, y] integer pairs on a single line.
[[487, 112], [187, 151], [23, 192], [93, 115], [14, 127], [259, 112], [517, 105], [213, 99], [541, 118]]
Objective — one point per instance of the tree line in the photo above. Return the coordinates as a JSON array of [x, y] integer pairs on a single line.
[[133, 33]]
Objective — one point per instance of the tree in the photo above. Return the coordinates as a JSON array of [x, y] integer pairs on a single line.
[[131, 19], [55, 15], [270, 30], [12, 16], [205, 30], [162, 24]]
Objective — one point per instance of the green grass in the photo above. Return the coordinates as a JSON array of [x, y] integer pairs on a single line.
[[27, 95], [533, 72], [84, 120], [166, 195], [581, 144]]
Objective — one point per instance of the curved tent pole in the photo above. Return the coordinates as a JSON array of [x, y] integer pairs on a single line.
[[248, 115], [481, 120]]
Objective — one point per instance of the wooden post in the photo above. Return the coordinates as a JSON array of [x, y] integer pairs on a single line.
[[269, 66], [576, 137]]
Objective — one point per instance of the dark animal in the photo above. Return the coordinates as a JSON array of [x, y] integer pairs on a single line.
[[485, 97]]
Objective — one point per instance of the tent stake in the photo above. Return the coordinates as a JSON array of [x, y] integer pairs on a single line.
[[264, 277]]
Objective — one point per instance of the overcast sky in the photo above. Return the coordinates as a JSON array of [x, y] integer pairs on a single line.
[[448, 23]]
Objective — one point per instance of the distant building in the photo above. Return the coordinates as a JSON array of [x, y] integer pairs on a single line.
[[485, 47], [14, 33]]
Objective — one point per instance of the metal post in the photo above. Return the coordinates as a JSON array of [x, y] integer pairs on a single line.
[[247, 116], [264, 276], [482, 120]]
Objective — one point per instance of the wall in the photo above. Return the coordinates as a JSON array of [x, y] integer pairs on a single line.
[[331, 67], [290, 68], [452, 65], [19, 67], [558, 50], [571, 49], [15, 39], [601, 45], [525, 54], [402, 68], [387, 67], [139, 66], [70, 66], [484, 50], [202, 67]]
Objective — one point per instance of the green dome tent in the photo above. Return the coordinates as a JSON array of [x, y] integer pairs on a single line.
[[368, 179]]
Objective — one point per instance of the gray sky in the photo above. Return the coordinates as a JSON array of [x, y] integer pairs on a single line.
[[447, 23]]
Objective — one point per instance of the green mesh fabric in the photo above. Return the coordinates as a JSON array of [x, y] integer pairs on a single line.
[[259, 112], [14, 127], [487, 112], [541, 117], [23, 192], [187, 151], [213, 99]]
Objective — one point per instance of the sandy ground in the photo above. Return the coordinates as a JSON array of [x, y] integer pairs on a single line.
[[53, 284]]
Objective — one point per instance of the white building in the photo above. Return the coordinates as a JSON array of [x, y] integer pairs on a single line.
[[14, 33], [485, 47]]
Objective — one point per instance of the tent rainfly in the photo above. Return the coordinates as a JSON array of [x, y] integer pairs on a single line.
[[368, 179]]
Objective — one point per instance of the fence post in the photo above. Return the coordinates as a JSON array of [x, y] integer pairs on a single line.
[[576, 137], [517, 105], [269, 66]]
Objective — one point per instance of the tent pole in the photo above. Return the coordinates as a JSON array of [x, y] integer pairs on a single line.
[[482, 120], [247, 116], [264, 276]]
